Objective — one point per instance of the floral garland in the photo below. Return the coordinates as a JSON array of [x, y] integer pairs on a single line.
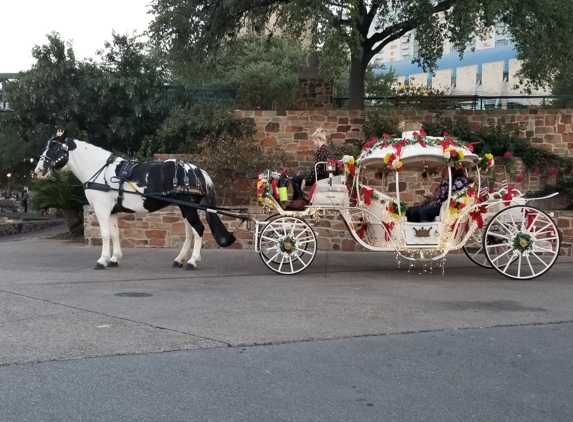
[[394, 161], [460, 201], [486, 162], [418, 138], [263, 187], [454, 156], [392, 208]]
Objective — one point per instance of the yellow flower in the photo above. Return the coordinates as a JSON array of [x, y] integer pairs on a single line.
[[461, 154], [489, 156], [399, 164], [447, 150], [453, 210], [387, 158], [351, 160], [465, 198]]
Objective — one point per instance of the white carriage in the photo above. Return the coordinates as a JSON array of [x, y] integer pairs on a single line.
[[497, 230]]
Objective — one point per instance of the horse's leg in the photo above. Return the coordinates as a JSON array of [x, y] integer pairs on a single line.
[[116, 241], [197, 228], [186, 246], [103, 216]]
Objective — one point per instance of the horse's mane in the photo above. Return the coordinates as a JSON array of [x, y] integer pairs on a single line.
[[98, 149]]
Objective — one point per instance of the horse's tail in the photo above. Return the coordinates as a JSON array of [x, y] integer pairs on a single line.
[[222, 236]]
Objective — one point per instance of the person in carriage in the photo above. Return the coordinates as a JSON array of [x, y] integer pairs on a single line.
[[318, 172], [430, 207]]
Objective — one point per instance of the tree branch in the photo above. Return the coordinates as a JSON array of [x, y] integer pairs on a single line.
[[396, 31]]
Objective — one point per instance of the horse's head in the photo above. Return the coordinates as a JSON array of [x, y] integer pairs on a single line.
[[56, 155]]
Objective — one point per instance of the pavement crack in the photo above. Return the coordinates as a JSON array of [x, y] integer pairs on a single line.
[[158, 327]]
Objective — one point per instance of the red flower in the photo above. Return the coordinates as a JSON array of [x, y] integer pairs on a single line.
[[519, 178], [536, 170], [452, 203], [553, 171], [508, 155], [390, 209]]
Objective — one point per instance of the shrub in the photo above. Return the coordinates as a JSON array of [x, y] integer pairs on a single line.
[[235, 163], [66, 194]]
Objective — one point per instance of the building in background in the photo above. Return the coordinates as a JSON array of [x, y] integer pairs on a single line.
[[489, 70]]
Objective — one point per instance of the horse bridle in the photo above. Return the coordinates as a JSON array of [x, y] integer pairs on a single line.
[[63, 146]]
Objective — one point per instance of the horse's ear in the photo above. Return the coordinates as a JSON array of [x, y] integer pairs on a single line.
[[71, 144]]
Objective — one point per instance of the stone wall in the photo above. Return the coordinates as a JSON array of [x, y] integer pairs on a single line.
[[550, 129]]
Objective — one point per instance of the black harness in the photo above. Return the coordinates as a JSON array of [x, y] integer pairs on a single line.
[[126, 169]]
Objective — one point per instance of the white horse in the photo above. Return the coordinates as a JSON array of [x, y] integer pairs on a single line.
[[113, 184]]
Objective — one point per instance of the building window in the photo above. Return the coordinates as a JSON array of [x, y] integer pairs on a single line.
[[393, 47], [499, 43]]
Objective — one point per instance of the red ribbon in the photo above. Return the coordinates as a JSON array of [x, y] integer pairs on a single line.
[[369, 143], [421, 142], [530, 218], [362, 229], [367, 194], [398, 146], [509, 195], [477, 216], [275, 189], [470, 145], [311, 192], [388, 229]]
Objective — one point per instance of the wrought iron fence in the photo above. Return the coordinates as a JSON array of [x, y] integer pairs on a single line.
[[463, 102]]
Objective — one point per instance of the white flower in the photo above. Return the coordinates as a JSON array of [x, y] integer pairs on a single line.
[[447, 155], [395, 163]]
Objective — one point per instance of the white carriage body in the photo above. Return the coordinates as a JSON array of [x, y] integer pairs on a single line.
[[376, 229]]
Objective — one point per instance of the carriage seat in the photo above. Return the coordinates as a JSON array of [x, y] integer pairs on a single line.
[[326, 194]]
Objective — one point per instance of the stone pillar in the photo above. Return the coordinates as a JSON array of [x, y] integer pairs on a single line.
[[316, 90]]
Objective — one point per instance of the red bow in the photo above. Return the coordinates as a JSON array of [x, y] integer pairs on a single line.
[[398, 146], [420, 139], [388, 229], [477, 216], [470, 145], [367, 194], [369, 143], [509, 195], [362, 229]]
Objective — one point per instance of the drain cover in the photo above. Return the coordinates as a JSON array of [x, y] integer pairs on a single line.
[[133, 294]]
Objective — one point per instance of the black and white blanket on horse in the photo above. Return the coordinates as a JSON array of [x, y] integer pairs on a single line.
[[113, 184]]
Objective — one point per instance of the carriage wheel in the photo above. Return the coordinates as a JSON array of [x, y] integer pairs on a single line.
[[288, 245], [521, 242], [474, 249]]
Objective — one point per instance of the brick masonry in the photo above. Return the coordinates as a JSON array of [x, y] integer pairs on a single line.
[[550, 129]]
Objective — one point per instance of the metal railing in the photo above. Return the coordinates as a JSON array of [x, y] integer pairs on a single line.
[[463, 102]]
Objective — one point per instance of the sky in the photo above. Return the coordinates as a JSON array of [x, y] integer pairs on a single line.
[[88, 24]]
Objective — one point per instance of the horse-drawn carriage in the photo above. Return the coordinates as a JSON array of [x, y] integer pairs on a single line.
[[496, 229]]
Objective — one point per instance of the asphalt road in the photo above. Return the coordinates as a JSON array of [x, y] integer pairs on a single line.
[[354, 338]]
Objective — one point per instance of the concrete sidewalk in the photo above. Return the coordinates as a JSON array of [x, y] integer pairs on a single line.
[[55, 306]]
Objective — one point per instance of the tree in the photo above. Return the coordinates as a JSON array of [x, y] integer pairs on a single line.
[[114, 104], [541, 29]]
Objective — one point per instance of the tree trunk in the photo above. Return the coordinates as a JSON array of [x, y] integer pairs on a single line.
[[356, 84]]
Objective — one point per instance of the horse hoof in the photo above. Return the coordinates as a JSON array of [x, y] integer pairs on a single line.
[[176, 265], [190, 267], [99, 266], [113, 264]]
